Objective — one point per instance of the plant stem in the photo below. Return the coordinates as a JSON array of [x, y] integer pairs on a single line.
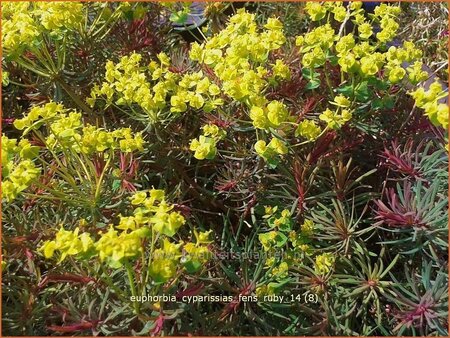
[[147, 273], [100, 180], [327, 79], [74, 96], [132, 286]]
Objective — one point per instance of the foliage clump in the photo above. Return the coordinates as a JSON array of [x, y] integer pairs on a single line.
[[295, 155]]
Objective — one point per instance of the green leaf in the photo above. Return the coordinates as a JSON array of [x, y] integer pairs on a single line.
[[346, 90], [179, 17], [29, 152], [273, 162], [115, 185], [280, 284], [280, 240], [128, 15], [377, 83], [333, 60], [309, 74], [386, 102], [287, 227], [377, 104], [100, 225], [192, 266], [362, 93], [312, 84]]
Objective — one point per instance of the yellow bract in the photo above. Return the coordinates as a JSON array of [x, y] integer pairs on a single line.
[[334, 119], [18, 169], [307, 228], [308, 129], [430, 101], [24, 22], [68, 243], [155, 211], [324, 263], [155, 88], [204, 147], [114, 248], [117, 247], [269, 151], [66, 131]]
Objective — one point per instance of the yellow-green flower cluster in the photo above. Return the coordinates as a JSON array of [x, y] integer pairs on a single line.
[[170, 257], [19, 178], [165, 261], [111, 247], [154, 210], [324, 263], [316, 10], [308, 129], [277, 240], [335, 119], [271, 150], [95, 139], [155, 88], [270, 239], [397, 56], [65, 130], [389, 26], [205, 146], [280, 70], [345, 44], [5, 78], [18, 168], [125, 241], [197, 254], [267, 289], [127, 83], [38, 115], [197, 91], [59, 14], [68, 243], [268, 116], [416, 73], [280, 271], [114, 248], [356, 54], [315, 44], [24, 22], [307, 228], [280, 223], [300, 239], [384, 15], [371, 64], [365, 30], [238, 56], [214, 131], [429, 99]]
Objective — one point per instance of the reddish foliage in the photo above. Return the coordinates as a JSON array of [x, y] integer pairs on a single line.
[[398, 214]]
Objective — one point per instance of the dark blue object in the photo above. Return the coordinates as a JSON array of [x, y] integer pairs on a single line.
[[195, 18], [369, 6]]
